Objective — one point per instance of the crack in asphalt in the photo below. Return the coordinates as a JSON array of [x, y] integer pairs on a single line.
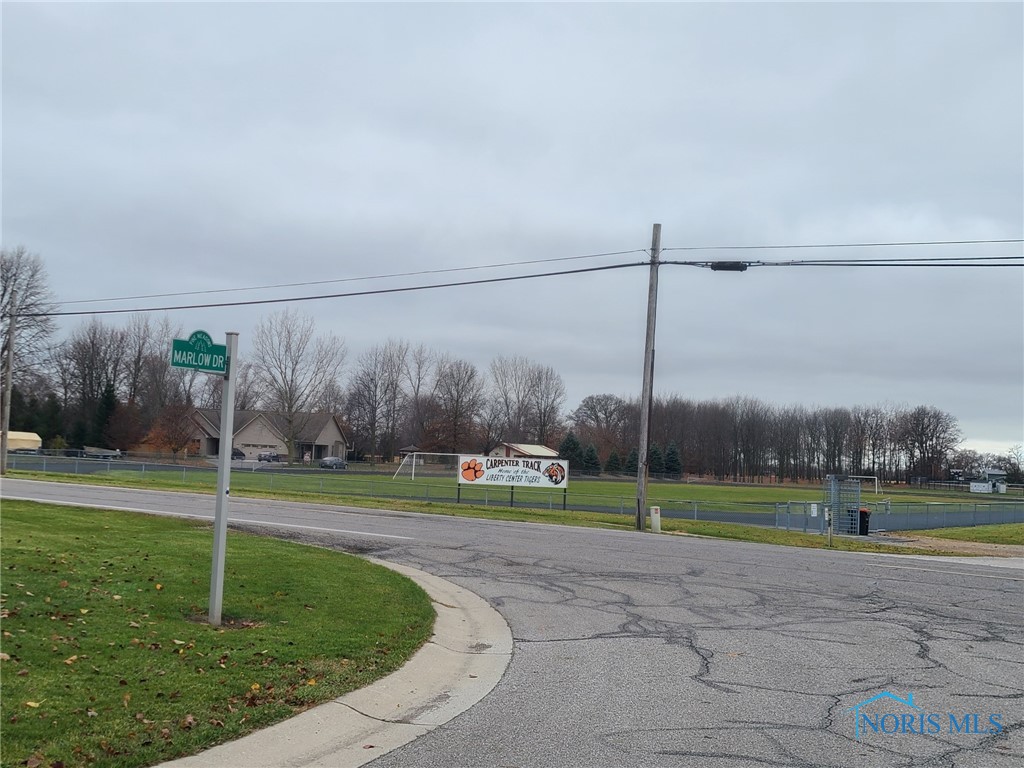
[[746, 656]]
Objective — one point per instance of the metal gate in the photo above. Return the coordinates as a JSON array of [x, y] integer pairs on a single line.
[[842, 499]]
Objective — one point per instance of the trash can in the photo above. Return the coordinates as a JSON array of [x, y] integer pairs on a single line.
[[865, 516]]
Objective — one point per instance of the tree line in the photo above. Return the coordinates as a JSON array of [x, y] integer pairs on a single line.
[[744, 439], [113, 386]]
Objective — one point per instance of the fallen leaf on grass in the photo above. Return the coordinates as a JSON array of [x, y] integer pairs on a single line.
[[187, 723], [91, 713], [34, 704], [4, 657], [70, 660], [83, 610]]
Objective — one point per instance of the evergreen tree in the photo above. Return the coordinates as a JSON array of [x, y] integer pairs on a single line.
[[23, 416], [655, 460], [80, 434], [614, 464], [571, 451], [104, 413], [673, 464], [591, 462], [51, 419], [632, 462]]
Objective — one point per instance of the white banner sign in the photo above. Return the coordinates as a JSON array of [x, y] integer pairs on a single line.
[[497, 470]]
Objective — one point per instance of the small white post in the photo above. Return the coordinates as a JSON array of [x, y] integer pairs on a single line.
[[220, 518], [655, 519]]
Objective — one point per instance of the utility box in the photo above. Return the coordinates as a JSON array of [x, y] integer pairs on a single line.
[[655, 519]]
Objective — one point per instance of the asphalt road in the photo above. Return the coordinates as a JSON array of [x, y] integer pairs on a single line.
[[641, 650]]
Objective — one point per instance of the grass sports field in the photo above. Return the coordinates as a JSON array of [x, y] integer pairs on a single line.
[[606, 493]]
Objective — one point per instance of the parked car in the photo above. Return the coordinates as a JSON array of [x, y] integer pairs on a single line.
[[268, 456], [333, 462], [237, 454]]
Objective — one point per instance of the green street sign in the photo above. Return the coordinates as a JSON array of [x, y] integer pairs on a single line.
[[199, 352]]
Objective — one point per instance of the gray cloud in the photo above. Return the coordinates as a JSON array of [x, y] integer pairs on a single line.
[[171, 147]]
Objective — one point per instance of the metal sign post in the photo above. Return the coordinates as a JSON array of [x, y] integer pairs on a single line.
[[220, 518], [200, 353]]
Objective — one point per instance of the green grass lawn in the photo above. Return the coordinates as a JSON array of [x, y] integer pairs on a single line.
[[355, 489], [1009, 533], [106, 658], [609, 493]]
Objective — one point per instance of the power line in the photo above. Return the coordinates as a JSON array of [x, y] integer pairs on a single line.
[[923, 261], [926, 261], [378, 292], [449, 270], [894, 260], [833, 245], [357, 279]]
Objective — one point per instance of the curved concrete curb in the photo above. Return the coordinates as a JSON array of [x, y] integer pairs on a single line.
[[460, 664]]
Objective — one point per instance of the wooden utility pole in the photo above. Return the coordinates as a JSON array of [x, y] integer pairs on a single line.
[[8, 383], [647, 394]]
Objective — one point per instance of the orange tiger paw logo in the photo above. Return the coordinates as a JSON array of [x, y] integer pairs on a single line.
[[472, 470]]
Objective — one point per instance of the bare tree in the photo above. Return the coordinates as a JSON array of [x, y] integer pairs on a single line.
[[366, 401], [174, 428], [140, 344], [332, 400], [248, 389], [545, 404], [419, 376], [460, 395], [24, 274], [295, 368], [929, 435], [395, 397], [95, 356], [599, 420], [513, 380]]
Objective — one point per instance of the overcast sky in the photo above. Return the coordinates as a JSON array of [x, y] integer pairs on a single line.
[[159, 148]]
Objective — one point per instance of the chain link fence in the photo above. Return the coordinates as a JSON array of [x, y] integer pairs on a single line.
[[803, 516]]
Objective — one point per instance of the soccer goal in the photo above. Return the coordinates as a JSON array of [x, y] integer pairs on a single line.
[[427, 464], [868, 477]]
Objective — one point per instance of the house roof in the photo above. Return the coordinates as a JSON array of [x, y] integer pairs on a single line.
[[310, 431], [315, 423], [531, 449], [211, 420]]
